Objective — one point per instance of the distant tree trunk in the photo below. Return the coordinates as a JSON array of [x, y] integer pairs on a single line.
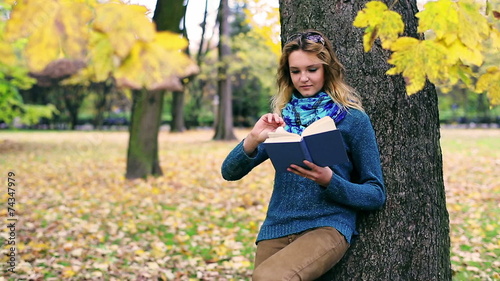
[[100, 107], [142, 156], [197, 89], [177, 124], [409, 238], [224, 121], [73, 97], [168, 16], [102, 91]]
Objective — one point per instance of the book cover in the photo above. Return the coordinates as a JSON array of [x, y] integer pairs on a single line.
[[320, 143]]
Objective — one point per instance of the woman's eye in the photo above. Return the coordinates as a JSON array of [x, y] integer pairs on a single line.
[[313, 69], [294, 71]]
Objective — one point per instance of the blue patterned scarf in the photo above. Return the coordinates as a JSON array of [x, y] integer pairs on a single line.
[[301, 112]]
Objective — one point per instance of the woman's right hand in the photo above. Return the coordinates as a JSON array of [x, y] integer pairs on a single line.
[[267, 123]]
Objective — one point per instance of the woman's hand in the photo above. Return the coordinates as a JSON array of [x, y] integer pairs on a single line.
[[267, 123], [321, 175]]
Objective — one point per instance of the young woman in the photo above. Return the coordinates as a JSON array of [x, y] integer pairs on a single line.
[[311, 217]]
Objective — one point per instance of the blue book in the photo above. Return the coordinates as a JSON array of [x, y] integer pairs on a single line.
[[321, 143]]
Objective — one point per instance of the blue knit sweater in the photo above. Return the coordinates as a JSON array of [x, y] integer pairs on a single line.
[[298, 204]]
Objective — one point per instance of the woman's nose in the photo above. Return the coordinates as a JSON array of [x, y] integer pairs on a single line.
[[304, 77]]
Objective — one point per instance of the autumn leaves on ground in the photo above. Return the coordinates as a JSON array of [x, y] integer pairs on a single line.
[[79, 219]]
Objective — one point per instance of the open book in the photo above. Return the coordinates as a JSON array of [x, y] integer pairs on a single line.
[[320, 143]]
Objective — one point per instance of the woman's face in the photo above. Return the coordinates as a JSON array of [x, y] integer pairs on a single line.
[[307, 72]]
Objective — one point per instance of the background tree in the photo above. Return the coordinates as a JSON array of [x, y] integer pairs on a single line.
[[168, 15], [14, 78], [253, 67], [409, 238], [103, 93], [110, 40], [224, 120], [147, 108]]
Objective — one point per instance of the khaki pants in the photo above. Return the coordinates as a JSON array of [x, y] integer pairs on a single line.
[[302, 256]]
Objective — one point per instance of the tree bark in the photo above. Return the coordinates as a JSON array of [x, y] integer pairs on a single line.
[[224, 121], [142, 156], [143, 159], [73, 97], [409, 238], [168, 16], [177, 124], [101, 104]]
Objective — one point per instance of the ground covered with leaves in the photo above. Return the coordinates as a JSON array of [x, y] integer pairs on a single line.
[[79, 219]]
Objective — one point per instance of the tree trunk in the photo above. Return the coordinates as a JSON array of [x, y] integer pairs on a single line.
[[224, 121], [177, 124], [101, 104], [143, 159], [168, 16], [142, 156], [409, 238], [73, 97]]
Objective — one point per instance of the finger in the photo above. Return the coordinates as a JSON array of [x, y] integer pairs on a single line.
[[270, 118], [299, 171], [310, 165], [279, 119]]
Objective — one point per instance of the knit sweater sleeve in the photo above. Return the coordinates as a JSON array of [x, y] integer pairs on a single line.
[[362, 188], [238, 164]]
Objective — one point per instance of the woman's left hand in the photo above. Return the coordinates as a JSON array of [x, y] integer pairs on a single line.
[[321, 175]]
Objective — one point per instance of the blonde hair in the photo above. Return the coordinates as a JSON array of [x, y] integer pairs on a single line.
[[335, 86]]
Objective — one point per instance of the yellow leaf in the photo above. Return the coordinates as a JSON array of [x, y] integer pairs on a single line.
[[68, 273], [441, 17], [55, 29], [417, 60], [134, 25], [473, 26], [170, 41], [73, 27], [370, 15], [454, 20], [495, 39], [490, 82], [43, 39], [379, 22], [154, 65], [458, 51], [139, 252], [101, 57], [40, 13], [460, 72]]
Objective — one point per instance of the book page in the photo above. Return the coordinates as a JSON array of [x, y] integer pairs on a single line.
[[280, 135], [322, 125]]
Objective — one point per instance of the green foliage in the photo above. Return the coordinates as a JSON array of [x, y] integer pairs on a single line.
[[264, 20], [458, 48], [14, 76], [112, 39], [252, 66]]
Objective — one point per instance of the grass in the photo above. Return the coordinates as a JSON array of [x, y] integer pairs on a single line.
[[82, 220], [471, 161]]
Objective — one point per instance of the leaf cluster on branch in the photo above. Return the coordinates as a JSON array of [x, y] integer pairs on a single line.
[[460, 47], [109, 39]]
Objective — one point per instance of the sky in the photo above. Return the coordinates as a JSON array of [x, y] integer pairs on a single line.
[[194, 14]]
